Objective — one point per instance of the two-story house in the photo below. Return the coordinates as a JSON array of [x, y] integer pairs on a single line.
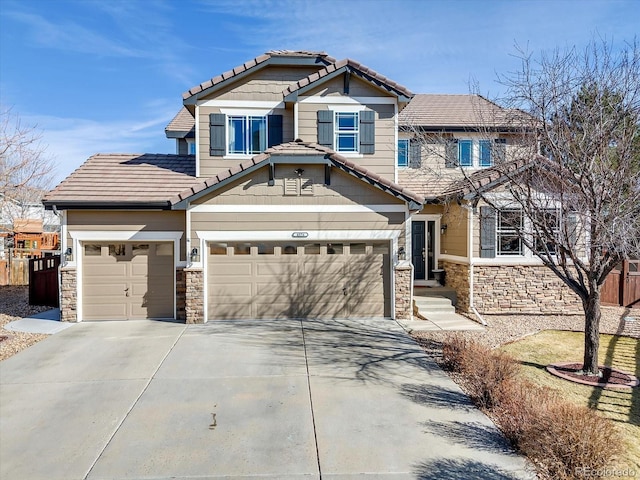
[[281, 202], [302, 186]]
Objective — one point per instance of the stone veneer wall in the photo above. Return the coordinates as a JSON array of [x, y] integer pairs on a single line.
[[181, 289], [68, 294], [522, 289], [457, 277], [403, 294], [194, 295]]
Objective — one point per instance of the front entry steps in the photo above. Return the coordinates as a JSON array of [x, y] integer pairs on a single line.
[[436, 313]]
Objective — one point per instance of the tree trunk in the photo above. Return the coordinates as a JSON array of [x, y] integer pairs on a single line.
[[592, 316]]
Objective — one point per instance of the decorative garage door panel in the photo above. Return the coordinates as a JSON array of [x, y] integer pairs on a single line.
[[125, 281], [298, 280]]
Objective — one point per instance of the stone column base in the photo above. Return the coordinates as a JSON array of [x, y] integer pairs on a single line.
[[194, 295], [403, 292], [68, 294]]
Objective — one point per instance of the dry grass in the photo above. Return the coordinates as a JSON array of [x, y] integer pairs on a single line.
[[535, 352]]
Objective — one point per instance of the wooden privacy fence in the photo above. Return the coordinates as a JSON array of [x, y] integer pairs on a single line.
[[622, 286], [14, 271], [43, 281]]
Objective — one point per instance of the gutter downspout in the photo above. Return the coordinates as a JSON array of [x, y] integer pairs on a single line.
[[469, 209]]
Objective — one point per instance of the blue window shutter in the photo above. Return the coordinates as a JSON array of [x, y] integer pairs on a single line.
[[216, 133], [325, 128], [367, 132], [415, 154], [487, 232], [451, 153], [275, 130]]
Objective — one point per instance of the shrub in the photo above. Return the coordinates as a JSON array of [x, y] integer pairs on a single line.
[[483, 370], [562, 439], [453, 349]]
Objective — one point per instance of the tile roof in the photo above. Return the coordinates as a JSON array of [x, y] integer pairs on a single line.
[[305, 149], [164, 180], [489, 178], [131, 179], [182, 123], [455, 111], [357, 68], [323, 56], [430, 184]]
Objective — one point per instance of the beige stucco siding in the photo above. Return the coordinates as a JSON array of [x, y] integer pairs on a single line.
[[454, 241], [265, 84], [383, 160], [254, 222], [117, 220], [343, 190], [357, 88]]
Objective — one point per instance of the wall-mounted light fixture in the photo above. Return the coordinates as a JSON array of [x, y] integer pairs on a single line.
[[68, 254], [194, 255], [443, 229], [299, 171], [401, 253]]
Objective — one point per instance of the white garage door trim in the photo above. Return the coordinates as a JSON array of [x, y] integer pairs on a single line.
[[284, 235], [122, 236]]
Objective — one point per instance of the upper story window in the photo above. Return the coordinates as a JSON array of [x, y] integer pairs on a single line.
[[243, 134], [345, 131], [465, 153], [403, 152], [191, 147], [247, 134], [474, 153]]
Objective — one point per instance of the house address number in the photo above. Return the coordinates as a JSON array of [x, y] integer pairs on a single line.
[[300, 234]]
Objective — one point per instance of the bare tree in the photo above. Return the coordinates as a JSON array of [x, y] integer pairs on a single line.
[[25, 169], [580, 199]]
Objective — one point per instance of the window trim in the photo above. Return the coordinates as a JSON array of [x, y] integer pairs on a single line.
[[355, 132]]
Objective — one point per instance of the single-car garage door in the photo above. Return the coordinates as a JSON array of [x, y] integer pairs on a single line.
[[298, 280], [127, 280]]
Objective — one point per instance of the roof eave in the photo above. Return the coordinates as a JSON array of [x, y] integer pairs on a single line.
[[104, 205], [293, 96], [273, 60]]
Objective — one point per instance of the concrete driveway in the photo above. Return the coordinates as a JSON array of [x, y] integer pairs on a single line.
[[292, 399]]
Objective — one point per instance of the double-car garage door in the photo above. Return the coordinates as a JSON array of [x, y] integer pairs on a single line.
[[127, 280], [298, 280]]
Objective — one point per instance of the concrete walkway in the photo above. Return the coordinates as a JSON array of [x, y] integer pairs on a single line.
[[291, 399]]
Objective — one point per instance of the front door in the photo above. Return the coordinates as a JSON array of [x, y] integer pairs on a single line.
[[418, 250]]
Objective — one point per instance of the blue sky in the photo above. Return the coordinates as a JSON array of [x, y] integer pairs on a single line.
[[107, 75]]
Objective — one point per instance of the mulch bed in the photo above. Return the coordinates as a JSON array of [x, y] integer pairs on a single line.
[[609, 377]]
